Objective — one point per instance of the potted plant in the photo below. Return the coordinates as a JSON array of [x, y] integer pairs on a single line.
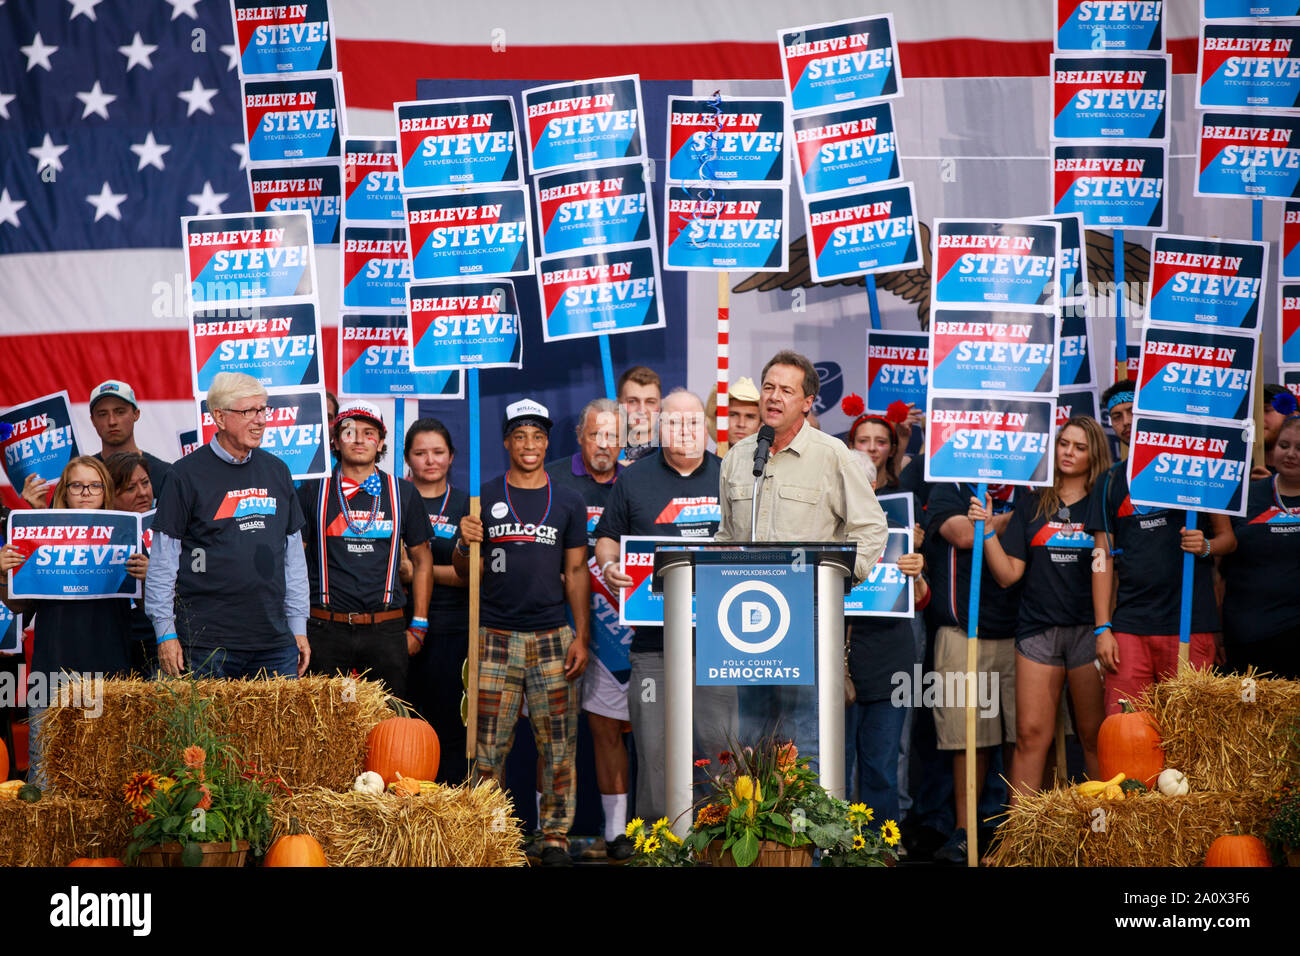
[[1283, 834], [199, 803], [765, 807]]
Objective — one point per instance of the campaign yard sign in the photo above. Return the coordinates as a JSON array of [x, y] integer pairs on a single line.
[[607, 291], [1075, 366], [898, 369], [862, 232], [1074, 402], [188, 440], [477, 233], [844, 148], [593, 120], [73, 555], [639, 604], [1072, 263], [986, 262], [1195, 373], [444, 144], [38, 439], [375, 361], [591, 206], [993, 351], [752, 626], [980, 438], [1249, 154], [1290, 242], [277, 38], [375, 268], [371, 182], [11, 631], [295, 430], [1288, 325], [1110, 26], [248, 257], [887, 591], [292, 119], [1113, 185], [146, 530], [465, 324], [279, 345], [1243, 9], [316, 190], [730, 228], [1249, 66], [1207, 282], [732, 141], [848, 61], [1200, 466], [1110, 97]]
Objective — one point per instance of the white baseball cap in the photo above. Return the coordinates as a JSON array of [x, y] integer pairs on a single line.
[[526, 412], [115, 389], [356, 408]]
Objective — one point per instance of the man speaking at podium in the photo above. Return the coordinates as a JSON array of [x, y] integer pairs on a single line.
[[812, 488]]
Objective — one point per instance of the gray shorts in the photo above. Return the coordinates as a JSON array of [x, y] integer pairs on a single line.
[[1067, 647]]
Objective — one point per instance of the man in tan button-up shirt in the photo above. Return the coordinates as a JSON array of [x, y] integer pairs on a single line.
[[813, 488]]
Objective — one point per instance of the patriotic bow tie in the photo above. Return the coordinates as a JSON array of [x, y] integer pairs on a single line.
[[370, 486]]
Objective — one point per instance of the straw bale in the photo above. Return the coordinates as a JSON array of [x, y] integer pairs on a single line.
[[58, 829]]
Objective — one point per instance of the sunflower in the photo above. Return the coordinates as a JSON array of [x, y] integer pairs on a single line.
[[661, 825], [639, 842], [139, 790], [635, 825], [889, 832], [651, 845], [858, 842]]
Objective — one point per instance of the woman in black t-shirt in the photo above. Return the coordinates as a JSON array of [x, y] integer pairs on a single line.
[[1047, 545], [134, 492], [1261, 606]]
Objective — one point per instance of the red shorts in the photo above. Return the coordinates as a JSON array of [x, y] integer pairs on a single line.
[[1146, 659]]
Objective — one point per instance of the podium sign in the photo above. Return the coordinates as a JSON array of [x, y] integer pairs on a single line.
[[756, 629]]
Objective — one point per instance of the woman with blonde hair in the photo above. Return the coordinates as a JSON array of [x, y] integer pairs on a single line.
[[1047, 544]]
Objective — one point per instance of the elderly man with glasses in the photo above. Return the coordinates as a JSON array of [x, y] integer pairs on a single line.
[[227, 582]]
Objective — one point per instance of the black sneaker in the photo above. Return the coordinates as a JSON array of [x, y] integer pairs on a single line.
[[921, 842], [533, 847], [954, 851], [556, 856], [619, 850]]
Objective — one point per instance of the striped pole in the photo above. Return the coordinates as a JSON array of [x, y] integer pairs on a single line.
[[724, 357]]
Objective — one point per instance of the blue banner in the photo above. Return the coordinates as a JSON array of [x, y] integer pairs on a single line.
[[847, 148], [372, 182], [1075, 361], [1110, 97], [73, 555], [994, 440], [898, 369], [291, 119], [1207, 282], [572, 123], [985, 262], [988, 351], [1114, 186], [279, 345], [1249, 154], [188, 440], [886, 591], [591, 293], [375, 268], [1249, 66], [1104, 26], [754, 625], [457, 143], [465, 324], [862, 232], [247, 257], [593, 206], [479, 233], [277, 38], [1188, 465], [736, 141], [725, 228], [375, 361], [295, 430], [831, 64], [1195, 374], [315, 190], [38, 439]]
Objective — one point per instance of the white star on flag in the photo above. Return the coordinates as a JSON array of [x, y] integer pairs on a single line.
[[47, 154], [96, 101], [5, 100], [106, 203], [183, 6], [231, 50], [198, 98], [138, 53], [37, 52], [207, 202], [9, 209], [83, 6], [242, 150], [150, 153]]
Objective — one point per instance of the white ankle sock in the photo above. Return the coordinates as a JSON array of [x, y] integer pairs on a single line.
[[615, 807], [539, 808]]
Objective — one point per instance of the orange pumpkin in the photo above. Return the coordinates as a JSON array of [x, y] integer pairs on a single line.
[[295, 849], [97, 861], [403, 745], [1237, 850], [1129, 743]]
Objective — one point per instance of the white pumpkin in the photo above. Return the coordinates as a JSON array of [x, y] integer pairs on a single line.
[[1172, 783], [369, 782]]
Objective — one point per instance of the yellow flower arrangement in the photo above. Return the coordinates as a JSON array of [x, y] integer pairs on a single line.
[[889, 833], [636, 824]]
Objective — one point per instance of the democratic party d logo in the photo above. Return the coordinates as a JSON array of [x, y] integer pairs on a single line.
[[755, 617]]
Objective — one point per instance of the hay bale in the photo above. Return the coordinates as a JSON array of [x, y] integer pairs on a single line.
[[1221, 741], [1055, 828], [468, 825], [311, 731], [58, 829]]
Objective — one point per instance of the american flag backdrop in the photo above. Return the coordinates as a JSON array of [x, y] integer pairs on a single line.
[[118, 117]]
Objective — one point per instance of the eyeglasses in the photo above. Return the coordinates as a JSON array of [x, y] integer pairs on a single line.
[[249, 414], [84, 488]]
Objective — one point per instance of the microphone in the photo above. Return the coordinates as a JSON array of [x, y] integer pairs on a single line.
[[766, 435]]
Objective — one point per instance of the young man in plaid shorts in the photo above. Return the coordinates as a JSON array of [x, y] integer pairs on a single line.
[[534, 563]]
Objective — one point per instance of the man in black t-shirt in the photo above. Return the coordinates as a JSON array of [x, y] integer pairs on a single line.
[[359, 518], [534, 563]]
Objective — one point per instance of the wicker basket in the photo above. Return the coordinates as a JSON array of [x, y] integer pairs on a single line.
[[214, 854], [770, 853]]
